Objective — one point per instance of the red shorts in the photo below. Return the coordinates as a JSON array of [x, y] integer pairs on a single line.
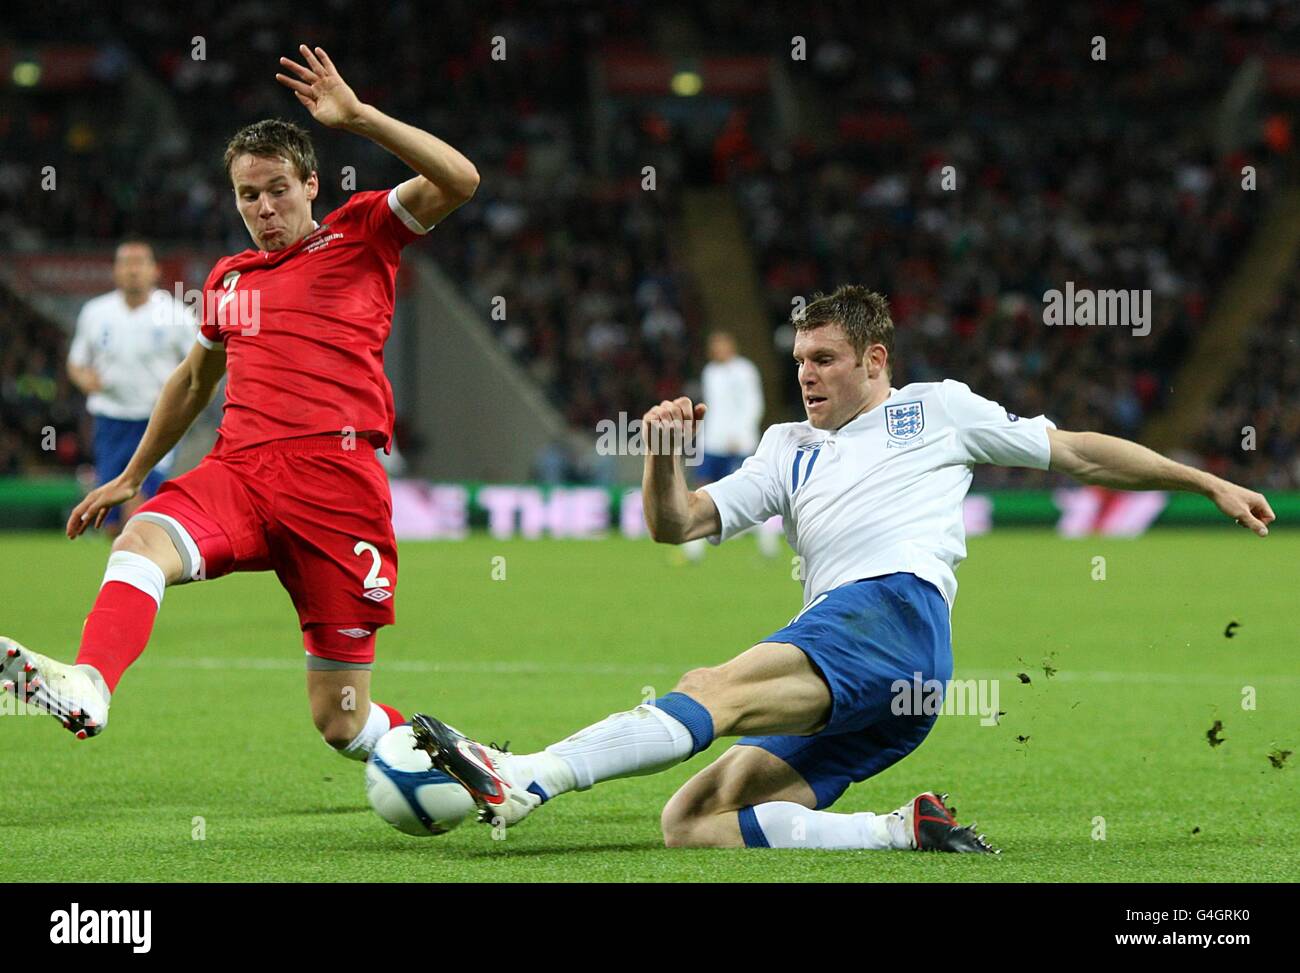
[[317, 514]]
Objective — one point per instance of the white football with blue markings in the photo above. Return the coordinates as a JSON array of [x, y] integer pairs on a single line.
[[408, 792]]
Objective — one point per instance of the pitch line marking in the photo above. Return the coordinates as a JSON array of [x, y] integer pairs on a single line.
[[503, 667]]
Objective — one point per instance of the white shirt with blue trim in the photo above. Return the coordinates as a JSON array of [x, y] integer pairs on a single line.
[[134, 350], [884, 492]]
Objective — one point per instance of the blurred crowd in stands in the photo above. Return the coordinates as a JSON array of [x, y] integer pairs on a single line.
[[1252, 434], [42, 417], [1064, 168]]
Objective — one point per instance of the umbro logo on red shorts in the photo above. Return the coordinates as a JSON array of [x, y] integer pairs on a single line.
[[355, 633], [378, 594]]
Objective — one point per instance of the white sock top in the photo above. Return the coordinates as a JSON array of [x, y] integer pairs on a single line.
[[376, 726], [137, 571]]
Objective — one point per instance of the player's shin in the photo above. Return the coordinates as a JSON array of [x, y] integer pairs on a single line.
[[644, 740], [121, 621], [783, 824]]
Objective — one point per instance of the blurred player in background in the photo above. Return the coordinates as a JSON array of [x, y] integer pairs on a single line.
[[871, 489], [128, 342], [732, 386], [293, 484]]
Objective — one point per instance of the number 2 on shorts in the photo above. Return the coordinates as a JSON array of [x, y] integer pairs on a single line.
[[373, 580]]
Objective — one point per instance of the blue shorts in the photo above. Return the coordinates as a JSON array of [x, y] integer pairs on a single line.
[[115, 443], [714, 466], [863, 638]]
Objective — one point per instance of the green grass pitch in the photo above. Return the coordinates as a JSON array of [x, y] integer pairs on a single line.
[[213, 724]]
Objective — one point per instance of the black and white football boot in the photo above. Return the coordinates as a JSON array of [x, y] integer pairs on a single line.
[[932, 827], [484, 771]]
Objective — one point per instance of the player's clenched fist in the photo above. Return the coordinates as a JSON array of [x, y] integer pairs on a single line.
[[668, 425]]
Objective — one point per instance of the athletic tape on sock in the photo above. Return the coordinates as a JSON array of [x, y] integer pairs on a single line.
[[137, 571]]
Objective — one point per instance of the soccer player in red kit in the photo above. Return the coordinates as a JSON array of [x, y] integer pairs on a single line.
[[293, 484]]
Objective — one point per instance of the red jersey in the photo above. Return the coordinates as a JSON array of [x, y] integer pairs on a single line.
[[304, 327]]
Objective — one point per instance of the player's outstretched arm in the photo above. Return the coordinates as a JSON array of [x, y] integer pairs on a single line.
[[1092, 457], [446, 178], [673, 514], [186, 393]]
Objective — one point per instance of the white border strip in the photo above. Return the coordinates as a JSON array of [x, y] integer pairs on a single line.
[[404, 214], [190, 555]]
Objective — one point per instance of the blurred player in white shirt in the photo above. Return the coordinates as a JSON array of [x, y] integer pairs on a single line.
[[870, 487], [732, 386], [127, 343]]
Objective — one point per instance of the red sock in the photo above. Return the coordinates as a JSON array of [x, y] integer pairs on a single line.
[[116, 630], [394, 718]]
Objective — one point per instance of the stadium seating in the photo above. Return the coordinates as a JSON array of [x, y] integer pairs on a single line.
[[1064, 170]]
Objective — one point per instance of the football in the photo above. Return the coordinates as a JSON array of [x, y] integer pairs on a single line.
[[408, 792]]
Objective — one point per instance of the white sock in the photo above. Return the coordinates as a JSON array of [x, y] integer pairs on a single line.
[[545, 771], [694, 550], [644, 740], [769, 542], [376, 726], [137, 571], [789, 825]]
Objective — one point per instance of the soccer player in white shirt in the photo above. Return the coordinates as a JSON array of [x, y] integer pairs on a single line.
[[731, 383], [871, 489], [732, 386], [127, 343]]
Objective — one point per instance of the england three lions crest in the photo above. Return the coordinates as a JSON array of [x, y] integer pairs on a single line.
[[904, 420]]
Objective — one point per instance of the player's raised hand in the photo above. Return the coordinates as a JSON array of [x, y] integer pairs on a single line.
[[1246, 507], [321, 88], [97, 503], [666, 427]]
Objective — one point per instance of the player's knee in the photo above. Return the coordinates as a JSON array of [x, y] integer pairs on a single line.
[[149, 541], [714, 689], [132, 540], [676, 832], [687, 817], [682, 827], [700, 682]]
